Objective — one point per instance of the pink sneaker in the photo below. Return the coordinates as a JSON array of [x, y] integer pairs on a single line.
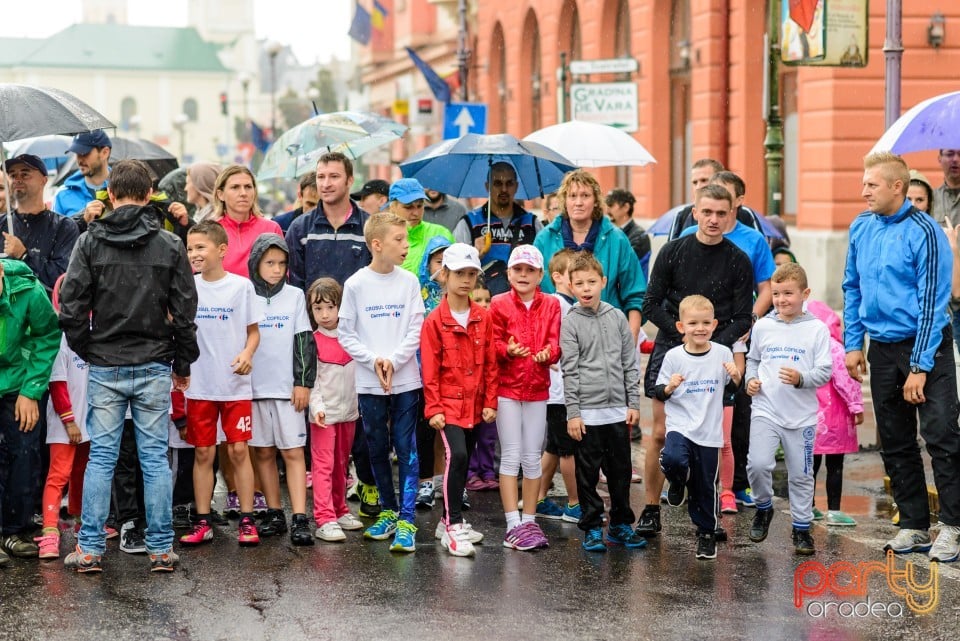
[[521, 537], [492, 484], [49, 543], [111, 532], [475, 484], [538, 535], [247, 533], [201, 532], [728, 503]]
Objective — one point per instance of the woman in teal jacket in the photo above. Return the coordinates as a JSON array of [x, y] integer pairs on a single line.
[[581, 225]]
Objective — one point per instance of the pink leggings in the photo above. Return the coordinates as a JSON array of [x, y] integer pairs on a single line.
[[726, 452], [330, 455], [68, 462]]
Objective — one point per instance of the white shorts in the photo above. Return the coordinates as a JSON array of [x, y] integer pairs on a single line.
[[277, 424]]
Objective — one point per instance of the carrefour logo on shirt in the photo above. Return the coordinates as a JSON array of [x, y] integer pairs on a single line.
[[79, 363], [385, 311], [274, 321], [213, 313], [704, 385], [784, 353]]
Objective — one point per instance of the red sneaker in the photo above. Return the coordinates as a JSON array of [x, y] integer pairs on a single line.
[[247, 533]]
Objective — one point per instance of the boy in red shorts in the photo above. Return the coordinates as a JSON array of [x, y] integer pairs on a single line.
[[227, 321]]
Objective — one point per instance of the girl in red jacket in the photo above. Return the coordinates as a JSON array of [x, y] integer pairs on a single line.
[[459, 383], [526, 334]]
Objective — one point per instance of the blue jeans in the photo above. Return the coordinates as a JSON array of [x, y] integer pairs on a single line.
[[146, 389], [399, 411]]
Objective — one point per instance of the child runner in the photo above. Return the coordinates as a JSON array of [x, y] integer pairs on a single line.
[[380, 320], [459, 383], [692, 382], [482, 474], [601, 385], [284, 369], [228, 314], [526, 332], [841, 410], [789, 359], [333, 415]]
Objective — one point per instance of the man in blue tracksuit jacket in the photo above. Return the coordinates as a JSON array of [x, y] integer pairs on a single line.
[[896, 289]]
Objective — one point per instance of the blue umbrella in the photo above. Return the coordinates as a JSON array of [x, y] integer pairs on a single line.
[[932, 124], [661, 226], [50, 149], [459, 166]]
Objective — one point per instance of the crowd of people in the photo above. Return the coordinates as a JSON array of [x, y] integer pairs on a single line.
[[155, 347]]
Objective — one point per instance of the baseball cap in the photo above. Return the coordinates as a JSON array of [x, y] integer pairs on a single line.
[[375, 186], [461, 256], [84, 143], [407, 190], [26, 159], [526, 255]]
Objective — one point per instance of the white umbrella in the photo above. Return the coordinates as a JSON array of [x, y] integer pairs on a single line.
[[932, 124], [588, 144]]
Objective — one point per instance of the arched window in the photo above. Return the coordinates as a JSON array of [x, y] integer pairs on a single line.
[[530, 94], [190, 109], [497, 86]]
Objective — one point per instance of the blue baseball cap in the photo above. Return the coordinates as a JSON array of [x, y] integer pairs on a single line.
[[407, 190], [86, 142]]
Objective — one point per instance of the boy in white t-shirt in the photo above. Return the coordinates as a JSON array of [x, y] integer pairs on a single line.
[[691, 385], [380, 319], [227, 317], [284, 370]]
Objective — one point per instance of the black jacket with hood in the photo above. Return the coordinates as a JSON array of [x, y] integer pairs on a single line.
[[304, 344], [129, 296]]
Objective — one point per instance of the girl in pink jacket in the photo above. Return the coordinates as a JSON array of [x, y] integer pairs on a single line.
[[841, 410]]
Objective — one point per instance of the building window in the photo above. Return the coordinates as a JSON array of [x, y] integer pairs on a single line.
[[190, 109], [530, 68], [128, 109]]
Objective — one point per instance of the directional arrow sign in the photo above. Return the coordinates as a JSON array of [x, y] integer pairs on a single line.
[[462, 118]]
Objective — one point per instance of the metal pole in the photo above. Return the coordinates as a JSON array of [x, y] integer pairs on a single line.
[[562, 88], [273, 94], [463, 55], [773, 143], [893, 52]]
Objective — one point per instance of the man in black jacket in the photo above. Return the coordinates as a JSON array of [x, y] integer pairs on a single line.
[[128, 304]]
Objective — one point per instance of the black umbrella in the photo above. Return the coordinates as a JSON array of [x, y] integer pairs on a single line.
[[160, 161]]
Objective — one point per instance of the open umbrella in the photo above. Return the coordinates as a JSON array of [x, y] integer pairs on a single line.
[[589, 144], [50, 149], [352, 133], [662, 225], [27, 111], [160, 161], [932, 124]]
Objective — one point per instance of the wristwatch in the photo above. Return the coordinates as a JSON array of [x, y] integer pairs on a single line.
[[915, 369]]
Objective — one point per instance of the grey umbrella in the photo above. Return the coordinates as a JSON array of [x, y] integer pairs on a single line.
[[27, 111]]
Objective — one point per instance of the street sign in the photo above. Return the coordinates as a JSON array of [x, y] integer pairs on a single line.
[[462, 118], [610, 65], [605, 103]]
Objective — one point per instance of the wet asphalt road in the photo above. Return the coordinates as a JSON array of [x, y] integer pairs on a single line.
[[359, 590]]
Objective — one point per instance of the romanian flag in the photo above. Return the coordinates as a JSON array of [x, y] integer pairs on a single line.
[[378, 15]]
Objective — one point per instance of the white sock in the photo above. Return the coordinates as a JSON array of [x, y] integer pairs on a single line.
[[528, 518], [513, 519]]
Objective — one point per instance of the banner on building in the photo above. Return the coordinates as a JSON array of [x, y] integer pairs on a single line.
[[824, 32], [605, 103]]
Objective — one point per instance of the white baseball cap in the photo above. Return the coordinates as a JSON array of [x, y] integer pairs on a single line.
[[461, 256], [526, 255]]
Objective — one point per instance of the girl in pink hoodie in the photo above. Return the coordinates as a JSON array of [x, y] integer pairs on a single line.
[[841, 410]]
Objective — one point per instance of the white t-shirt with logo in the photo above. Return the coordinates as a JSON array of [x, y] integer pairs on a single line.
[[284, 316], [696, 407], [70, 368], [225, 308], [380, 317]]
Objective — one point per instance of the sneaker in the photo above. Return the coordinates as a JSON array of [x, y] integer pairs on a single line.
[[403, 538], [623, 534], [20, 546], [385, 526], [369, 501], [474, 536], [350, 522], [572, 513], [164, 561], [110, 532], [720, 535], [538, 535], [593, 541], [353, 493], [465, 500], [456, 541], [272, 523], [331, 532], [635, 476], [49, 543], [676, 494], [201, 533], [547, 509], [181, 517], [5, 560], [300, 530], [945, 549], [706, 545], [728, 503], [475, 484], [259, 503], [521, 538], [761, 525], [247, 532], [492, 484], [231, 509], [803, 542], [817, 514], [82, 562], [131, 539], [907, 541], [425, 498], [838, 519], [745, 497], [649, 523], [216, 518], [663, 496]]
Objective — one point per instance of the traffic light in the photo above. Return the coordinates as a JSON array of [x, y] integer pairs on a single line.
[[223, 103]]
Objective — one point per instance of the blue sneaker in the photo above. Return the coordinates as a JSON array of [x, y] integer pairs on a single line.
[[385, 525], [547, 509], [403, 540], [593, 541], [624, 535], [744, 498], [572, 513]]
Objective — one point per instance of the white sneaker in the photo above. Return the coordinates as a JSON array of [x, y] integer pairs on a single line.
[[473, 535], [947, 546], [456, 541], [349, 522], [907, 541], [330, 532]]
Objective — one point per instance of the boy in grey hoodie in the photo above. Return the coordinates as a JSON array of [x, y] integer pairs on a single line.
[[601, 384]]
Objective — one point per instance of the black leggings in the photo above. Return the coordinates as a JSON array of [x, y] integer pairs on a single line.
[[834, 478], [458, 443]]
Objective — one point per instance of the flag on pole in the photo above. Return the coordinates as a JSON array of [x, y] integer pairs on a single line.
[[260, 137], [440, 89], [378, 15], [361, 26]]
